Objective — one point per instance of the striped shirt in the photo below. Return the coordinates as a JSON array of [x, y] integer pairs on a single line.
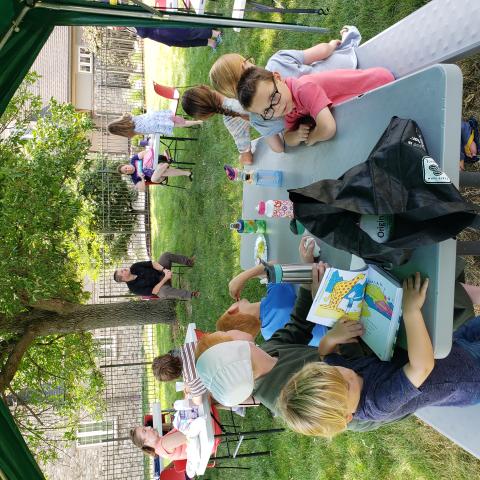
[[238, 127], [189, 372]]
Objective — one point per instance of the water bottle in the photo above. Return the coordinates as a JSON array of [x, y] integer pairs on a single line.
[[268, 178], [237, 175], [377, 227], [249, 226], [262, 178], [276, 208], [289, 272]]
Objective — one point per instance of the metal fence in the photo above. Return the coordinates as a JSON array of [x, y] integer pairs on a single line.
[[127, 352]]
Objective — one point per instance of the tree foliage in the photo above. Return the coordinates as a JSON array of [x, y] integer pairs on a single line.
[[111, 198], [56, 387], [48, 245]]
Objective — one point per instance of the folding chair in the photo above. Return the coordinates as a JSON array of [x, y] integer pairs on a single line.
[[171, 157], [173, 94], [171, 474], [238, 437], [164, 183]]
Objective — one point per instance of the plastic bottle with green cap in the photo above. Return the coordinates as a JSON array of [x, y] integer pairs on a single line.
[[249, 226]]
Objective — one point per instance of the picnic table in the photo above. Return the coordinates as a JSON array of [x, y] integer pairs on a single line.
[[431, 97]]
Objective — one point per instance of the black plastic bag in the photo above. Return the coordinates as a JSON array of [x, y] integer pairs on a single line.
[[400, 179]]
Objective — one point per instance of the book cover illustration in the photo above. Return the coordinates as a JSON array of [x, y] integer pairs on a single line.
[[342, 296]]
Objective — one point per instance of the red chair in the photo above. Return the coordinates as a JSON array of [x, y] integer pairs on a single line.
[[171, 474], [171, 93]]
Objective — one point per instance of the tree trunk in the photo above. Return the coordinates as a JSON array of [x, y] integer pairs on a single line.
[[79, 318], [63, 318]]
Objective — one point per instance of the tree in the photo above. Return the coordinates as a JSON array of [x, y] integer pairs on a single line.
[[112, 198], [47, 359]]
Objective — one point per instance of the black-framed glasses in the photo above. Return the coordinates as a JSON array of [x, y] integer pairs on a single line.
[[275, 98]]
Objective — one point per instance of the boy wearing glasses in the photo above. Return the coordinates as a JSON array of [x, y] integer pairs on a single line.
[[305, 102]]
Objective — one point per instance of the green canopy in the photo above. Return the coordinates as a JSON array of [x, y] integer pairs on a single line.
[[16, 461], [25, 26]]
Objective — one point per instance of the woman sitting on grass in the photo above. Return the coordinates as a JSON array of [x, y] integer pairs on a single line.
[[324, 397]]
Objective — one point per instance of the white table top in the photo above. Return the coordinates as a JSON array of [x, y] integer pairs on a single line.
[[206, 436], [432, 98]]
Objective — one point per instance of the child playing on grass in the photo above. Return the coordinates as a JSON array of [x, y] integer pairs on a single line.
[[161, 122], [304, 103], [323, 397], [336, 54]]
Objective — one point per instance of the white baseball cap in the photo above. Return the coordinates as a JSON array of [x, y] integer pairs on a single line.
[[226, 371]]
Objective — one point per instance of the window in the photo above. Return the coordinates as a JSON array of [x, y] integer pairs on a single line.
[[95, 433], [85, 60], [106, 346]]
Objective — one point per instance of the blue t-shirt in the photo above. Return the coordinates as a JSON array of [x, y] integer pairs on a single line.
[[275, 310], [388, 394]]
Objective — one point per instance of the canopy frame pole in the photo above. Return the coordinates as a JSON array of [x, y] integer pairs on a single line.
[[15, 26], [186, 18]]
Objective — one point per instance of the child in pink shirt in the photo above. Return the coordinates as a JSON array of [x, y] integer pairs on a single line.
[[305, 102]]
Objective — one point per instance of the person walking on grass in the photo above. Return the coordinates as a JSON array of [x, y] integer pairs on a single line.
[[179, 37], [155, 278]]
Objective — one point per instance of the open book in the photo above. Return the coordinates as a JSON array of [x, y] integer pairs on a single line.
[[370, 295]]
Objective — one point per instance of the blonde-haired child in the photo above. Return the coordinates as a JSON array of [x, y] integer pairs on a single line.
[[161, 121], [322, 398]]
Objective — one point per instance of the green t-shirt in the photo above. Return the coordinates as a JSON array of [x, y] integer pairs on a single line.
[[290, 345]]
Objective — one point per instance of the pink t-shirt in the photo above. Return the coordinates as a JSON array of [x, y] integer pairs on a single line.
[[178, 453], [312, 93]]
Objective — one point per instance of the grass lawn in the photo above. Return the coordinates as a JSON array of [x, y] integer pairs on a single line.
[[195, 221]]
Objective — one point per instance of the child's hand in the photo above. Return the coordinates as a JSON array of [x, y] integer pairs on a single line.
[[235, 287], [346, 331], [414, 292], [245, 158], [168, 274], [306, 254], [295, 137], [318, 271], [335, 43]]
